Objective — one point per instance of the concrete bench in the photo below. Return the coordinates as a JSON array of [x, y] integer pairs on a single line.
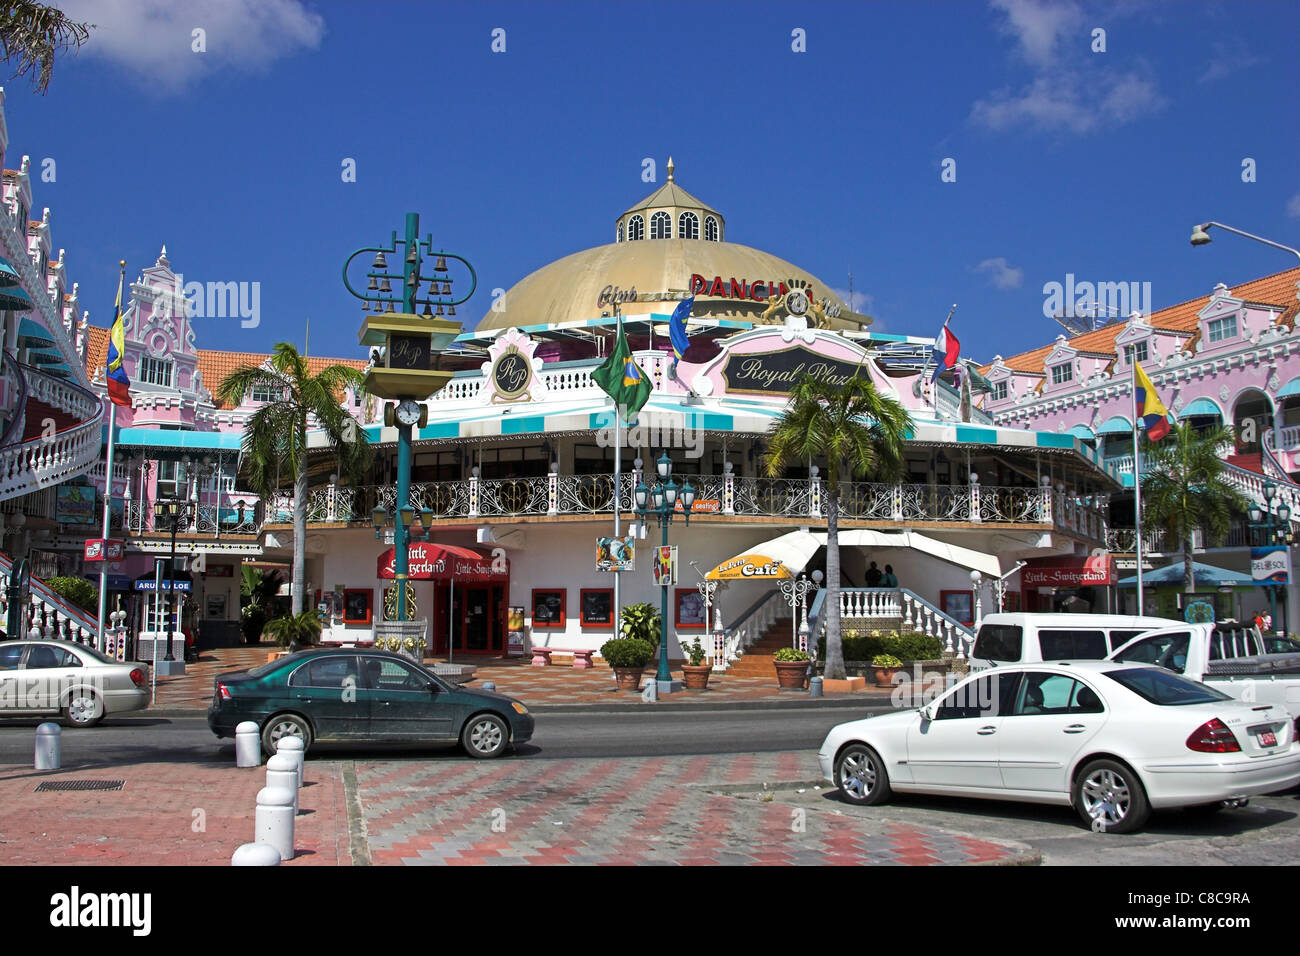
[[581, 658]]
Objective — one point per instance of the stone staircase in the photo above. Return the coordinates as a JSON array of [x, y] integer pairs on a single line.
[[758, 657]]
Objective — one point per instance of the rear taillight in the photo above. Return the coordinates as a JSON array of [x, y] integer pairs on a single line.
[[137, 677], [1213, 737], [223, 692]]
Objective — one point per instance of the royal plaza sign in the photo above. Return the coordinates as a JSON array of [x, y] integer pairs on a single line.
[[779, 371]]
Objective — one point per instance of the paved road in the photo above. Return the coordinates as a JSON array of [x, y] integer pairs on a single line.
[[623, 734]]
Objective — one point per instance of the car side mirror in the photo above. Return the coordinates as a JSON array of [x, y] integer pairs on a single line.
[[929, 711]]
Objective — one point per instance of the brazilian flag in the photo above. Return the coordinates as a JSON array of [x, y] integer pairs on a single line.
[[622, 379]]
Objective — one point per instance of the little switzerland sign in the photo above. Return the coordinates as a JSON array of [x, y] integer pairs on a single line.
[[779, 371], [428, 562]]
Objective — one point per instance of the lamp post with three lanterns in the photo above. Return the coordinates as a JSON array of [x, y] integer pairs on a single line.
[[661, 501], [1271, 525]]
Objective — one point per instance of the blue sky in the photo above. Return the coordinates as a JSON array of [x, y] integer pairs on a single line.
[[1067, 160]]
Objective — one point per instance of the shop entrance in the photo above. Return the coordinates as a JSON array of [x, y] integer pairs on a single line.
[[475, 622]]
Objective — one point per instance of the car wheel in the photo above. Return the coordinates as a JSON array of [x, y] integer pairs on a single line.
[[485, 735], [1110, 798], [285, 725], [860, 776], [84, 708]]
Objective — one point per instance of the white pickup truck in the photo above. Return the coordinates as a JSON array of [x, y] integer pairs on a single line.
[[1230, 658]]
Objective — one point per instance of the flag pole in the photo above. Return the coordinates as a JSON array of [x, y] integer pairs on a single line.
[[100, 643], [1137, 489], [618, 487]]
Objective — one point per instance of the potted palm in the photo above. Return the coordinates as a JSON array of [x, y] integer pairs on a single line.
[[641, 621], [297, 631], [695, 672], [628, 656], [886, 665], [791, 668]]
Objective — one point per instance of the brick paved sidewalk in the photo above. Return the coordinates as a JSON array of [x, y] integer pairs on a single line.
[[556, 685], [166, 814], [660, 810]]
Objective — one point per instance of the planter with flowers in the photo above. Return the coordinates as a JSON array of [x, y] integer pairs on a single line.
[[695, 672], [886, 665], [791, 668]]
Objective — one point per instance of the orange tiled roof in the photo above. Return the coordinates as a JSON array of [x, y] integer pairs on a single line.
[[214, 366], [1277, 289]]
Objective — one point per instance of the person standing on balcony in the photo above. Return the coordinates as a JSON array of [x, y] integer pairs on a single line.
[[873, 576], [889, 580]]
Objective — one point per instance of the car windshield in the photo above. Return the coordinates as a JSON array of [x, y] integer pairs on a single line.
[[1158, 686]]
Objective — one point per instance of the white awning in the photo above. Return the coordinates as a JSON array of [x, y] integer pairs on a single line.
[[986, 564], [788, 555]]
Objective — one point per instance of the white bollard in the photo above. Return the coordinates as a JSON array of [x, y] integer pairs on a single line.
[[292, 747], [281, 772], [256, 854], [248, 745], [49, 746], [274, 823]]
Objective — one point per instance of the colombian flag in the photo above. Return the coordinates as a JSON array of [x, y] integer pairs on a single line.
[[118, 384], [1150, 409]]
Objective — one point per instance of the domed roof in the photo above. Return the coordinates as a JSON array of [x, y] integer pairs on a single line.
[[643, 274], [663, 254]]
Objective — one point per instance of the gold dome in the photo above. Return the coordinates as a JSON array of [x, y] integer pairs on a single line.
[[676, 249]]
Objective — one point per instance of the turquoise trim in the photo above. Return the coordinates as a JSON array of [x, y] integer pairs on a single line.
[[1116, 425], [440, 430], [977, 436], [1290, 388], [519, 426], [1201, 406], [1080, 431], [1049, 440], [156, 438]]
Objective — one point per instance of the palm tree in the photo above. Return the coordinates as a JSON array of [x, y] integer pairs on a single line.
[[275, 436], [34, 34], [1184, 489], [857, 431]]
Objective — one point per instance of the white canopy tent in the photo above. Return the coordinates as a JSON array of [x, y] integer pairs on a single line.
[[787, 555]]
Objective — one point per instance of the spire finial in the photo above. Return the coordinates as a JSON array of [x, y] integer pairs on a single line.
[[670, 169], [162, 257]]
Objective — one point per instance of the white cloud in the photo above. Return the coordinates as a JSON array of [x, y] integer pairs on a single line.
[[1293, 207], [1230, 56], [154, 39], [1037, 25], [1070, 91], [862, 302], [1001, 273]]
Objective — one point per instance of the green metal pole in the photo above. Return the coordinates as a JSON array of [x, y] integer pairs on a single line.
[[402, 565], [664, 675]]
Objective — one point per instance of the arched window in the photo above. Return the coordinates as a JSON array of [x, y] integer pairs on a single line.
[[710, 229], [635, 229], [688, 226], [619, 237], [661, 226]]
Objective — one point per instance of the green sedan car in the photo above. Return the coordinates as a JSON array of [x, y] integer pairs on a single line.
[[355, 696]]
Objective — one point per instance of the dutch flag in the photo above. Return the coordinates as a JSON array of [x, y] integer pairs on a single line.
[[946, 351]]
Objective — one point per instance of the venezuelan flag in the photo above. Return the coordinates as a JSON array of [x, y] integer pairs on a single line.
[[1150, 409], [119, 386]]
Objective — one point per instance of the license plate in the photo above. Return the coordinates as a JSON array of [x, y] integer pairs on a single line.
[[1268, 739]]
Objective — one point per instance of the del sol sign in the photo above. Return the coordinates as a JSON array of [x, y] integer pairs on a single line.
[[778, 372]]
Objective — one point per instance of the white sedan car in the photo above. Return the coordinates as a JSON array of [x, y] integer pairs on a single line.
[[1112, 740], [60, 677]]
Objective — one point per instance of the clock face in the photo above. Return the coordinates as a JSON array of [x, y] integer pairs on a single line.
[[408, 413]]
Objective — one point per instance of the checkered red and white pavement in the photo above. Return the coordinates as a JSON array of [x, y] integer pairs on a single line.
[[657, 810]]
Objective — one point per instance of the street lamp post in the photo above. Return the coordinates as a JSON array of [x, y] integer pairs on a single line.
[[176, 513], [795, 592], [661, 501], [412, 344], [1201, 237], [1271, 524]]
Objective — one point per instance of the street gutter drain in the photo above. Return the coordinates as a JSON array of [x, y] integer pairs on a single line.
[[49, 785]]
